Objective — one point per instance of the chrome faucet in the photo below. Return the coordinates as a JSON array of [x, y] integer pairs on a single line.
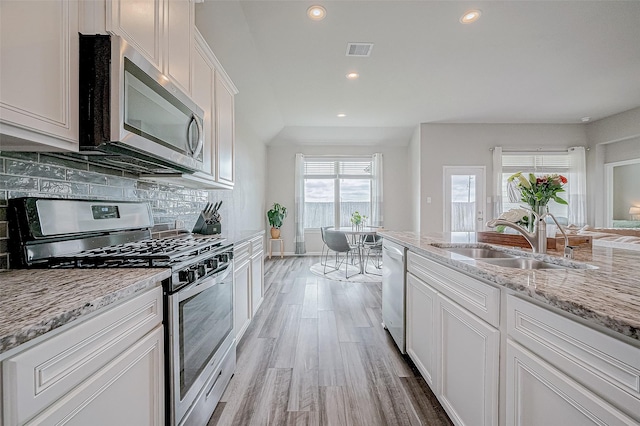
[[538, 238]]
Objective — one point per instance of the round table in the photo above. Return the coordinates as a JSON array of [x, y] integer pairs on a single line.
[[359, 232]]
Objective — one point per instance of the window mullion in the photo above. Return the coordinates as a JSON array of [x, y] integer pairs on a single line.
[[336, 201]]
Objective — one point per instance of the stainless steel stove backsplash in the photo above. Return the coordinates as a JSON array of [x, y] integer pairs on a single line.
[[45, 175]]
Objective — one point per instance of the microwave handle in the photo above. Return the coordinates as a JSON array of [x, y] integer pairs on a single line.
[[195, 151]]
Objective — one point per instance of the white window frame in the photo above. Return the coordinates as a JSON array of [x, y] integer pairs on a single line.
[[336, 180], [509, 170]]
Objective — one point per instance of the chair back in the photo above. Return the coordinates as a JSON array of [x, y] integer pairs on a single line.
[[336, 241], [323, 229], [371, 240]]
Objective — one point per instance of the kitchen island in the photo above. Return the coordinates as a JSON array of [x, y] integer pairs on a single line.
[[608, 296], [507, 346]]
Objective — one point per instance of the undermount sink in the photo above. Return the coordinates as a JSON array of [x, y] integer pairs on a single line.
[[488, 254], [523, 263], [478, 253]]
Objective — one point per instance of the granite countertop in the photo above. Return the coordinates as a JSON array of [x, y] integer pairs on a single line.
[[235, 237], [608, 296], [35, 301], [238, 237]]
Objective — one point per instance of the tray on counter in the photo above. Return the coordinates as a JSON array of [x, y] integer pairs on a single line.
[[514, 240]]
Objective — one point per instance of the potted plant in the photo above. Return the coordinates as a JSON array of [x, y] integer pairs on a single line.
[[358, 220], [276, 215]]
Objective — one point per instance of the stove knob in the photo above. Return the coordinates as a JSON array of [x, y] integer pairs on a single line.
[[184, 276], [212, 263], [223, 258], [192, 275], [201, 271]]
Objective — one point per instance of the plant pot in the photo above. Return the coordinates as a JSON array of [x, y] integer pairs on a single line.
[[275, 233]]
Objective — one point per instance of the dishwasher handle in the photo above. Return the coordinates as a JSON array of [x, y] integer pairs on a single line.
[[393, 252]]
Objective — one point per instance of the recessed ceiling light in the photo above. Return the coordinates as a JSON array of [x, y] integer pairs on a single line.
[[317, 13], [586, 119], [353, 75], [470, 16], [341, 115]]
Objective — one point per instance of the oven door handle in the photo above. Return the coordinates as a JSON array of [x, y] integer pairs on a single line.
[[193, 289]]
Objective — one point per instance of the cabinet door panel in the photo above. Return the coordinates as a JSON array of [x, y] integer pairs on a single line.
[[140, 23], [39, 71], [203, 75], [225, 132], [127, 391], [257, 281], [421, 342], [538, 394], [180, 22], [241, 304], [468, 365]]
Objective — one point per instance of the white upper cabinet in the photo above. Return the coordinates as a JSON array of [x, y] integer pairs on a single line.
[[162, 30], [225, 127], [39, 75], [180, 22], [141, 23], [203, 71]]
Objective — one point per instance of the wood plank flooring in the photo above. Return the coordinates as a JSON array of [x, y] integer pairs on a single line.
[[316, 354]]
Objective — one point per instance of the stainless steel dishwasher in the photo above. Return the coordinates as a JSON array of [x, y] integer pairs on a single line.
[[393, 291]]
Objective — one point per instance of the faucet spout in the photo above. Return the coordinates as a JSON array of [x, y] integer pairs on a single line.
[[536, 239]]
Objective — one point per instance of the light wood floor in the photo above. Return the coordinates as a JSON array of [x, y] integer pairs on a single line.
[[316, 354]]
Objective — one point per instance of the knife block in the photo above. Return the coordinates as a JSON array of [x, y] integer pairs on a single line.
[[206, 228]]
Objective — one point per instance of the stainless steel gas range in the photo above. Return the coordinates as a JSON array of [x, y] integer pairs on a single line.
[[198, 305]]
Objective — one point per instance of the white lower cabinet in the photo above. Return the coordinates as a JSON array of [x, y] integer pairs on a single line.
[[241, 289], [538, 394], [421, 328], [467, 364], [257, 274], [248, 282], [555, 369], [604, 370], [456, 351], [104, 371]]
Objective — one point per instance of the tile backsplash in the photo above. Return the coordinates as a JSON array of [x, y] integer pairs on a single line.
[[47, 175]]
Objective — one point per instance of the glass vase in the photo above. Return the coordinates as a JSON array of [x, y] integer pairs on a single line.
[[538, 209]]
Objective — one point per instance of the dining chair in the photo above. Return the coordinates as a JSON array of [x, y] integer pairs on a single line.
[[337, 241], [372, 244], [324, 243]]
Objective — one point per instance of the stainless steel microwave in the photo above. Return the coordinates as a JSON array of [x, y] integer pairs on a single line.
[[131, 115]]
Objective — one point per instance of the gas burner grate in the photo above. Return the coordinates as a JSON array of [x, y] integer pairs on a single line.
[[149, 253]]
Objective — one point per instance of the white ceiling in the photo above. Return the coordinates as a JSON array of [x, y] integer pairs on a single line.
[[522, 62]]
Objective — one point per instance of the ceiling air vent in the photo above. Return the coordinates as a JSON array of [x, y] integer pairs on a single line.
[[359, 49]]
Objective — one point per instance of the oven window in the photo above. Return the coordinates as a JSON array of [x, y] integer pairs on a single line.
[[206, 319]]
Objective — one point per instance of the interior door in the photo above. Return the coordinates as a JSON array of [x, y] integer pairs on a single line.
[[464, 204]]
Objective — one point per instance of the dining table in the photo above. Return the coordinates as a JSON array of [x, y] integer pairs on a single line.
[[357, 235]]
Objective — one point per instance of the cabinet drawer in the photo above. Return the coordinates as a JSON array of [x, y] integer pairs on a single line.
[[479, 298], [242, 252], [601, 363], [256, 245], [37, 377]]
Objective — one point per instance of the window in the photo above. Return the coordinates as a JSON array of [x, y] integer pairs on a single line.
[[334, 189], [538, 164]]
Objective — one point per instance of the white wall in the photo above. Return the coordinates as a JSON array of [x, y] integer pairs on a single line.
[[280, 186], [469, 145], [615, 138], [414, 178], [243, 207], [626, 181]]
